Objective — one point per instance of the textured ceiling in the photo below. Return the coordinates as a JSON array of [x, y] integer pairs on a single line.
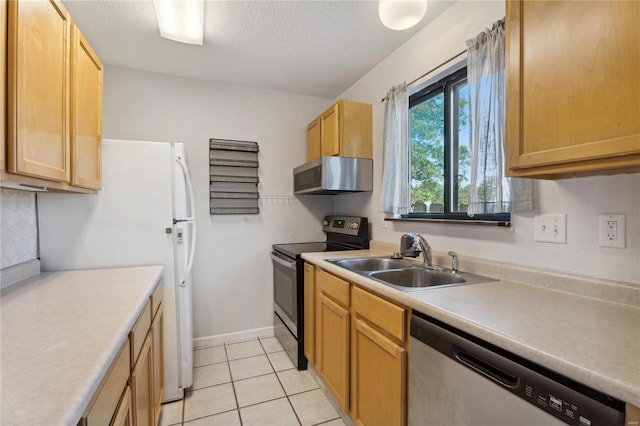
[[317, 48]]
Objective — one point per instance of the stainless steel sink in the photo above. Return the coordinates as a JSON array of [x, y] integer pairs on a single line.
[[405, 275], [418, 278], [373, 264], [415, 277]]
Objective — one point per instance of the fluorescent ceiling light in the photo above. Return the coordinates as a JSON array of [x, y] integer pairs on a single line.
[[401, 14], [181, 20]]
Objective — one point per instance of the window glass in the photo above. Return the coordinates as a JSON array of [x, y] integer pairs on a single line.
[[440, 151], [427, 154], [461, 153]]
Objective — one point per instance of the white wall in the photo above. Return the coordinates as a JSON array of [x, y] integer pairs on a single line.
[[232, 270], [582, 199]]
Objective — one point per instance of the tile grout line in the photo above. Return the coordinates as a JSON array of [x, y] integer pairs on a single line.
[[283, 389], [233, 386]]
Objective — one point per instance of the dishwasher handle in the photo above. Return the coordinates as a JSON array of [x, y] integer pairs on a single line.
[[486, 368]]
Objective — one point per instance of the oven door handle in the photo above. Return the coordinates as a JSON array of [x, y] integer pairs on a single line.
[[279, 260]]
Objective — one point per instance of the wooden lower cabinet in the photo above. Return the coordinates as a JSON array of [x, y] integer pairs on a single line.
[[157, 333], [332, 334], [377, 363], [361, 350], [107, 398], [142, 386], [124, 414], [131, 392]]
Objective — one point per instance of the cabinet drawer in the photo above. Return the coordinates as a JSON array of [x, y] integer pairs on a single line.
[[139, 331], [106, 400], [386, 315], [156, 299], [333, 286]]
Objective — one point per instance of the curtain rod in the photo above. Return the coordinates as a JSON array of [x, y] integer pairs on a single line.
[[431, 70]]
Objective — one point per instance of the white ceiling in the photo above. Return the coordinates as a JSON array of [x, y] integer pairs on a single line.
[[317, 48]]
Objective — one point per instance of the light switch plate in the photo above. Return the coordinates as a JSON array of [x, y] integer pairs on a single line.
[[611, 230], [550, 228]]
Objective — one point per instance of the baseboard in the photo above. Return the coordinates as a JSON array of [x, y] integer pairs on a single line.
[[203, 342]]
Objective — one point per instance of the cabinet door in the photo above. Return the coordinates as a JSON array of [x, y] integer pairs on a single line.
[[142, 386], [330, 131], [573, 92], [86, 113], [38, 89], [377, 363], [309, 312], [124, 414], [333, 347], [313, 140], [157, 332]]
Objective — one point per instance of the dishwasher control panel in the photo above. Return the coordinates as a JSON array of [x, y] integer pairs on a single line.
[[557, 404]]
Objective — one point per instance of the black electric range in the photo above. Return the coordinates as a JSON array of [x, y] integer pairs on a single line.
[[343, 233]]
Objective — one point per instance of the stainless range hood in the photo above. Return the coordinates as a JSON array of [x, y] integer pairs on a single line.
[[333, 175]]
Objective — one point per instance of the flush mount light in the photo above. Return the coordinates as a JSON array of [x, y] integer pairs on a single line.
[[401, 14], [181, 20]]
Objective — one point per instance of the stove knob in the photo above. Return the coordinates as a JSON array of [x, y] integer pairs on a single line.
[[325, 223], [354, 225]]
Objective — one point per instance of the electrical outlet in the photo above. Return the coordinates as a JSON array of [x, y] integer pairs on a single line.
[[550, 228], [611, 230]]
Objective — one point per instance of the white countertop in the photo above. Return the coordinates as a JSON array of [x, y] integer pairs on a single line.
[[60, 333], [591, 341]]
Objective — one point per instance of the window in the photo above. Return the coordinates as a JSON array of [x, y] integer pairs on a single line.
[[439, 151]]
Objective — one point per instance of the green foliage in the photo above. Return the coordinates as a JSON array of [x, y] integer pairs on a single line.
[[427, 151]]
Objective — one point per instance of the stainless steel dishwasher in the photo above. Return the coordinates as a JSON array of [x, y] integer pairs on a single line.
[[457, 379]]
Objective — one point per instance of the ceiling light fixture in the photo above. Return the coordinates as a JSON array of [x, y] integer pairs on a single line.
[[181, 20], [401, 14]]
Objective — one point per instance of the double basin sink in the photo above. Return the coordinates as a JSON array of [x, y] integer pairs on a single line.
[[405, 275]]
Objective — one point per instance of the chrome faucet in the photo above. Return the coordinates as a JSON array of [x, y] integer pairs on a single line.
[[411, 245]]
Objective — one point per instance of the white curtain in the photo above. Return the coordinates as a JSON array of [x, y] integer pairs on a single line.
[[491, 191], [395, 155]]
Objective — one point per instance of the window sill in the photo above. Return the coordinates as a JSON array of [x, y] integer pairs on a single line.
[[450, 221]]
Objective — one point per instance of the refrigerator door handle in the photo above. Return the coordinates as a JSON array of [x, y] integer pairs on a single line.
[[192, 251], [187, 179]]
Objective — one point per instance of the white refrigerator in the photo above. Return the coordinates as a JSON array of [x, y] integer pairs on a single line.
[[143, 215]]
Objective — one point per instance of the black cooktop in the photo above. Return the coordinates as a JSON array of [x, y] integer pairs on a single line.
[[343, 233], [296, 249]]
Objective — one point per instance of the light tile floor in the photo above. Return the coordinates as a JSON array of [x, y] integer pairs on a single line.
[[250, 383]]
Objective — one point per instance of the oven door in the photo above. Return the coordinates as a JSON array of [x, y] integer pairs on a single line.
[[285, 290]]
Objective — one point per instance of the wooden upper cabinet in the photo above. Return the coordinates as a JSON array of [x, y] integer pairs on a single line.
[[86, 113], [344, 130], [38, 89], [313, 139], [573, 92], [330, 131]]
